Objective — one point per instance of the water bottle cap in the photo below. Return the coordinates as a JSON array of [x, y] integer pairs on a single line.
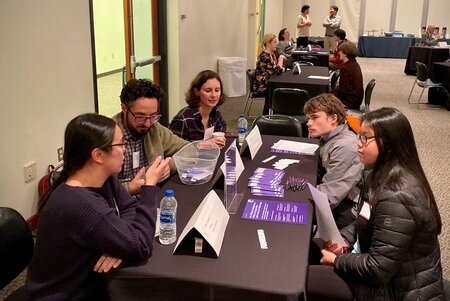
[[168, 193], [242, 116]]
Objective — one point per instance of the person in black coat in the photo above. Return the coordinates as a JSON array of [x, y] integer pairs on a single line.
[[394, 250]]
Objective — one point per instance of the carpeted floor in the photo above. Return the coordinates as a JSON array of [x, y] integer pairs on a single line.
[[431, 129]]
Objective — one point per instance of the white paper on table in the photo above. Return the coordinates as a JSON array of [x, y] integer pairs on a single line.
[[210, 220], [254, 141], [327, 229], [208, 133], [295, 147], [318, 77]]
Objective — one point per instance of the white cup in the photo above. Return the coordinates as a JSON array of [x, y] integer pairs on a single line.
[[219, 135]]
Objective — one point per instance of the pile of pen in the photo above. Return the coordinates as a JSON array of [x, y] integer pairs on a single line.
[[295, 183], [267, 182]]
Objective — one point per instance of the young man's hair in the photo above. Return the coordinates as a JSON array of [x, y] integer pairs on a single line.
[[349, 49], [340, 33], [328, 103], [305, 7], [334, 7]]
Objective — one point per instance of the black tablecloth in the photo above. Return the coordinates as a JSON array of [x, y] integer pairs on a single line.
[[300, 81], [440, 74], [243, 271], [316, 41], [426, 55], [389, 47]]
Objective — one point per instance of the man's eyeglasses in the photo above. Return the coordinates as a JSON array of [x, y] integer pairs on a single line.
[[364, 138], [140, 119], [123, 144]]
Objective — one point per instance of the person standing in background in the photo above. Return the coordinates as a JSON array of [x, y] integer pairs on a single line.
[[331, 23], [303, 27]]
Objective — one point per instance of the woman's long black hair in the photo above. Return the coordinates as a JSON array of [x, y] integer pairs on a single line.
[[83, 134], [398, 158]]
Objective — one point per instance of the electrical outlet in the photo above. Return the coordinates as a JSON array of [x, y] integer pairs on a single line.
[[29, 171], [60, 152]]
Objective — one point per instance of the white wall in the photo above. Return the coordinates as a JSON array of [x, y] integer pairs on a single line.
[[409, 23], [211, 29], [438, 14], [273, 17], [46, 80]]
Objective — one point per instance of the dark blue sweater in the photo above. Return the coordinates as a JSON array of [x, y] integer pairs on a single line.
[[77, 226]]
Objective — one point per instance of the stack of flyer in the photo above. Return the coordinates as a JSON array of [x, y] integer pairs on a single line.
[[293, 147], [267, 182]]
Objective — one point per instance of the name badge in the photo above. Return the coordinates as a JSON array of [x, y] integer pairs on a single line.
[[135, 160], [365, 210], [208, 133]]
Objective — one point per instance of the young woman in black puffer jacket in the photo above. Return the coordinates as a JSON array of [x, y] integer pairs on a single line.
[[394, 249]]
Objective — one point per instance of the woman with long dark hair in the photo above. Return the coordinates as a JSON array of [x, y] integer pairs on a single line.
[[394, 249], [89, 223]]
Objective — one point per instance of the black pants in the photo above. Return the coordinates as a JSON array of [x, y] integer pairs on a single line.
[[324, 284], [302, 41], [342, 214]]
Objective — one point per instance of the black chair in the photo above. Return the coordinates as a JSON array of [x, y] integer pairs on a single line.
[[279, 125], [423, 81], [310, 58], [16, 249], [252, 94], [290, 101], [334, 78], [367, 96], [304, 63]]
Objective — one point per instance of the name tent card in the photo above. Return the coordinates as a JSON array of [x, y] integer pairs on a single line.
[[253, 141], [276, 211], [208, 222]]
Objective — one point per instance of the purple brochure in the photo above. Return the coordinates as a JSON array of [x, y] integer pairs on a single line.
[[276, 211]]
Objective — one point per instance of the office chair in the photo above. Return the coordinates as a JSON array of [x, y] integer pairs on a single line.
[[16, 249], [252, 94], [310, 58], [304, 63], [367, 96], [290, 101], [334, 78], [423, 81], [279, 125]]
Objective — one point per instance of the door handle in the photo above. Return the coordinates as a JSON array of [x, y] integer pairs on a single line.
[[134, 64]]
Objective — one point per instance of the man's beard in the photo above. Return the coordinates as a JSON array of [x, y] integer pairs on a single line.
[[135, 133]]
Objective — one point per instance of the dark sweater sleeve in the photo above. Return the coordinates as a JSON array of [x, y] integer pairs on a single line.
[[129, 236], [394, 228]]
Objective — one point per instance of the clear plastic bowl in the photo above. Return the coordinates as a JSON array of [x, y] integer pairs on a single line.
[[196, 162]]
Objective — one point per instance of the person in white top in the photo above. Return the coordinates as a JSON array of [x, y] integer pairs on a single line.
[[303, 27], [331, 23]]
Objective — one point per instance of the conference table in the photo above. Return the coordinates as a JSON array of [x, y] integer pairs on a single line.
[[243, 271], [440, 74], [288, 79], [386, 47], [425, 54]]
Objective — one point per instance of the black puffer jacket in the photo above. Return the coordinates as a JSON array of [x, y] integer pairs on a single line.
[[400, 256]]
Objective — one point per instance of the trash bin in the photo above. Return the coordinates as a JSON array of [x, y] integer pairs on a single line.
[[233, 76]]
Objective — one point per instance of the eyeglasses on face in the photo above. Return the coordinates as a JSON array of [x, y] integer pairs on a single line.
[[140, 119], [364, 138], [122, 144]]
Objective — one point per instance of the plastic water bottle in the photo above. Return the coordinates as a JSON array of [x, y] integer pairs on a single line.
[[242, 128], [168, 218]]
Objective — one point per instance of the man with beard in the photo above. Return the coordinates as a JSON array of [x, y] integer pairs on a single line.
[[146, 138]]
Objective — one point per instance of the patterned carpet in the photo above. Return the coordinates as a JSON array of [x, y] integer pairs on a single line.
[[431, 129]]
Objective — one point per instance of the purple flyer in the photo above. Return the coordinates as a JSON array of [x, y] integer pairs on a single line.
[[276, 211]]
